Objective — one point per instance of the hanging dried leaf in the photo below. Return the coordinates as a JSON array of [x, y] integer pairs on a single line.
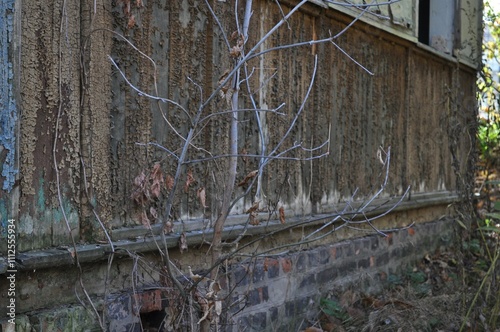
[[183, 243], [153, 212], [140, 194], [189, 180], [169, 182], [194, 277], [282, 215], [139, 180], [244, 157], [266, 264], [200, 193], [235, 52], [223, 77], [168, 227], [247, 178], [253, 219], [254, 207], [156, 178], [126, 7], [131, 21]]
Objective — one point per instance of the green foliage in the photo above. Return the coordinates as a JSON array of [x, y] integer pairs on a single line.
[[474, 246], [489, 89], [333, 309], [488, 137]]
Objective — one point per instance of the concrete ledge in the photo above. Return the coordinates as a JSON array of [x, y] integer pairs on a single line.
[[141, 239]]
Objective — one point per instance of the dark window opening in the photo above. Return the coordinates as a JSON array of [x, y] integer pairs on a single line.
[[153, 321], [424, 11]]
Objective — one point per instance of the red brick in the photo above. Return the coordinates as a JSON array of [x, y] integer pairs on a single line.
[[333, 253], [148, 301], [286, 265]]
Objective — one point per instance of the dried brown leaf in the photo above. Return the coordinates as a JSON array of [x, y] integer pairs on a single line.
[[153, 212], [156, 178], [235, 52], [139, 180], [247, 178], [282, 214], [254, 207], [131, 21], [183, 243], [253, 219], [223, 76], [244, 157], [169, 227], [201, 194], [194, 277], [169, 182], [189, 180], [126, 7]]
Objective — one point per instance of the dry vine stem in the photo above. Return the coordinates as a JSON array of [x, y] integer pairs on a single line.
[[234, 80]]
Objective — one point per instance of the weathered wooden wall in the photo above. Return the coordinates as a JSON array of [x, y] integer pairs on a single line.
[[416, 102]]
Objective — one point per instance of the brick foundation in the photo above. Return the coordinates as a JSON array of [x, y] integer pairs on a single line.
[[275, 293]]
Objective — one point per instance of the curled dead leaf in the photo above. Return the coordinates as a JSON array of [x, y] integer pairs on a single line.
[[156, 180], [244, 157], [200, 193], [223, 77], [140, 193], [131, 21], [247, 178], [168, 227], [169, 182], [189, 180], [183, 243], [282, 215], [254, 207], [235, 52], [253, 219], [153, 212], [194, 277]]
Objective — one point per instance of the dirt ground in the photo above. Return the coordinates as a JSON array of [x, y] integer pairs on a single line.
[[442, 293]]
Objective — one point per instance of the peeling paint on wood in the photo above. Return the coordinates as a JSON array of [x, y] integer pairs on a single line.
[[411, 103], [8, 114]]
